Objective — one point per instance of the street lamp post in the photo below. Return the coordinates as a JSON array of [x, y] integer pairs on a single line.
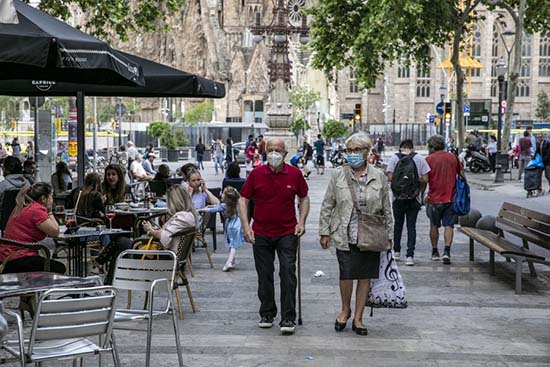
[[500, 71], [288, 19], [442, 92]]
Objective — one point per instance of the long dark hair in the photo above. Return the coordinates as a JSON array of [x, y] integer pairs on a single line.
[[92, 187], [31, 194], [115, 195], [61, 169]]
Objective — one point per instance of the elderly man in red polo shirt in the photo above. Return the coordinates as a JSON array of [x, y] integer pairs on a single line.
[[274, 188]]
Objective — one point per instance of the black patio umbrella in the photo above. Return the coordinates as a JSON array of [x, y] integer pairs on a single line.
[[160, 81], [41, 47]]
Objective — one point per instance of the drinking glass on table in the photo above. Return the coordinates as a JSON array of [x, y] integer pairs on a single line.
[[128, 198], [59, 209], [70, 218], [110, 214]]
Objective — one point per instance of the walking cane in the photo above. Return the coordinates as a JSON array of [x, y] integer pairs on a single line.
[[299, 283]]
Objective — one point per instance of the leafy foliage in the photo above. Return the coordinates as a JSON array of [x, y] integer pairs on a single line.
[[302, 100], [201, 112], [298, 126], [334, 129], [170, 137], [158, 128], [367, 34], [543, 106], [117, 17]]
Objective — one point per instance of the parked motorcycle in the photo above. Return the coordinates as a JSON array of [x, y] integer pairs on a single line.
[[475, 161]]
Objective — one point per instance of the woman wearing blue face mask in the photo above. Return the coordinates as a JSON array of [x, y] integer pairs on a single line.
[[339, 221]]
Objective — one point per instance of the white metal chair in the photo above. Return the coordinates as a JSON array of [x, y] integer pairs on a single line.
[[147, 271], [62, 326]]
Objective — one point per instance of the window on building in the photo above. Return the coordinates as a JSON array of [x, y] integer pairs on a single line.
[[353, 85], [403, 71], [423, 82], [524, 81], [544, 53], [253, 111], [476, 48]]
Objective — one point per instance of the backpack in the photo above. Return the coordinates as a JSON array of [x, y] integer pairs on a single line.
[[405, 182]]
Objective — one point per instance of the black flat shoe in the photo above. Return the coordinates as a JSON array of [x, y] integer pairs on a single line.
[[339, 326], [359, 330]]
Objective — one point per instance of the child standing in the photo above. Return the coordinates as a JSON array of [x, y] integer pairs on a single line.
[[233, 230]]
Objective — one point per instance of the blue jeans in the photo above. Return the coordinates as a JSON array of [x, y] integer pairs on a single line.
[[405, 209], [218, 161]]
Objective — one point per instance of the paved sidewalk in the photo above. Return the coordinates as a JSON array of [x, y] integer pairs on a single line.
[[458, 315]]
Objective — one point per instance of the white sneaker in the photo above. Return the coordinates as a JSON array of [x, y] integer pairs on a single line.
[[227, 266], [397, 255], [409, 261]]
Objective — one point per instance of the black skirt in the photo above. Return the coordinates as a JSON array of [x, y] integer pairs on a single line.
[[356, 264]]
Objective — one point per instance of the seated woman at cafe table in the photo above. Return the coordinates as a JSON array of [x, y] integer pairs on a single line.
[[163, 174], [200, 195], [90, 199], [31, 221], [61, 179], [184, 172], [182, 216], [114, 185]]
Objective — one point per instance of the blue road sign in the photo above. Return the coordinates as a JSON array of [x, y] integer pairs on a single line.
[[432, 119], [466, 108], [439, 108]]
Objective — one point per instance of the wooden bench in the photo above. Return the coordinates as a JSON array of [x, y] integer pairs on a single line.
[[530, 226]]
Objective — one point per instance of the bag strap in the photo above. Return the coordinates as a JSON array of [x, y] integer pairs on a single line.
[[347, 174]]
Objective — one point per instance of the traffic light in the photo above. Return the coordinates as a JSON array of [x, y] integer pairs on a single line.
[[357, 112], [350, 123], [436, 121], [447, 111]]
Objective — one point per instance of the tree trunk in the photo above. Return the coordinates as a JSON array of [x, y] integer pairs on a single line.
[[459, 113], [513, 75]]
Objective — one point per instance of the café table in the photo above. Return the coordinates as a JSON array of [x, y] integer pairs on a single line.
[[139, 214], [20, 284], [77, 245]]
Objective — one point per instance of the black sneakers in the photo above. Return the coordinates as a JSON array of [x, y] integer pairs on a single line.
[[287, 327], [446, 257], [435, 255], [266, 322]]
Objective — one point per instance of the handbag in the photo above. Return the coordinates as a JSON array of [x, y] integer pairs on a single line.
[[461, 198], [150, 245], [372, 234], [388, 290], [536, 162]]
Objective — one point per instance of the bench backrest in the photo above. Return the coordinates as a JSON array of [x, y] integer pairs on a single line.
[[525, 223]]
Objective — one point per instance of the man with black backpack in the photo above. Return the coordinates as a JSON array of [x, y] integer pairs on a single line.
[[408, 174]]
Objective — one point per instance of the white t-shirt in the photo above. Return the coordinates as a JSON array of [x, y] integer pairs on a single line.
[[422, 166], [137, 170]]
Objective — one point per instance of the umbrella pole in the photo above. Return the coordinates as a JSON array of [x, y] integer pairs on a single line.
[[95, 135], [80, 138]]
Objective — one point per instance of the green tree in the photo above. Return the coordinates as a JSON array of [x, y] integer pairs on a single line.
[[543, 106], [158, 128], [9, 110], [528, 16], [302, 100], [370, 34], [201, 112], [117, 17], [334, 129], [298, 126]]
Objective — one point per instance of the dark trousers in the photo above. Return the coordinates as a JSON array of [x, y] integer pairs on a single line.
[[264, 257], [405, 209], [32, 263]]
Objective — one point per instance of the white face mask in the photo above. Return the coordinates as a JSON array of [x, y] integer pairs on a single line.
[[274, 159]]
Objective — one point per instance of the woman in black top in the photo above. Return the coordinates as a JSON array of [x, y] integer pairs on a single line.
[[90, 204]]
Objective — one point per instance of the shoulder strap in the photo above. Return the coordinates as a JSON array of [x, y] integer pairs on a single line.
[[347, 173]]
